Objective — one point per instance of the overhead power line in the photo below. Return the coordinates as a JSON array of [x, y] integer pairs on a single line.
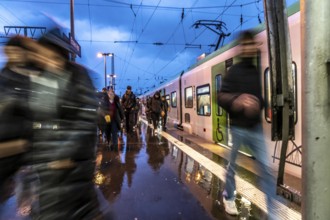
[[129, 5], [180, 8]]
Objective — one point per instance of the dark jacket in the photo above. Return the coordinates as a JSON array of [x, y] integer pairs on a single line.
[[128, 101], [62, 115], [15, 123], [156, 103], [242, 77]]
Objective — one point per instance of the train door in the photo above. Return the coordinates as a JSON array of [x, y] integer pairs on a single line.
[[219, 119]]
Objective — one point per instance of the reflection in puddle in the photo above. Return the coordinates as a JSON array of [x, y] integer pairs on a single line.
[[208, 188]]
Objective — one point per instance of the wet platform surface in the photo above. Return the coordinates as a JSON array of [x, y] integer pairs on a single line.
[[148, 177]]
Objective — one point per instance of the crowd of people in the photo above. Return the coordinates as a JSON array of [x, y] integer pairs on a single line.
[[122, 114]]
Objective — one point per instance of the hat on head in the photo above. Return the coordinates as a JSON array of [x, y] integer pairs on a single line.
[[129, 88]]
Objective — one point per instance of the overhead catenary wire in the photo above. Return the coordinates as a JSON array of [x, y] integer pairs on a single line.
[[129, 5], [187, 37], [142, 31], [13, 14], [196, 37], [223, 12]]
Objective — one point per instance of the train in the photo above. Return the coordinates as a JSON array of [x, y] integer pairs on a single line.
[[192, 96]]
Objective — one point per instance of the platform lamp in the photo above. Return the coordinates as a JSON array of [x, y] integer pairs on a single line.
[[105, 55]]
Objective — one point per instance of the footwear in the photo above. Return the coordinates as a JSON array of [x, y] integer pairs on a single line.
[[230, 206]]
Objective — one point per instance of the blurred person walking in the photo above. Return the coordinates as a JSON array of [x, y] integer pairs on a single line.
[[156, 108], [101, 123], [61, 105], [15, 120], [128, 103], [137, 111], [241, 97]]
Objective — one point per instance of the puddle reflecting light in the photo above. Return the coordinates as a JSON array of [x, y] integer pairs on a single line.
[[198, 177], [99, 178], [188, 177]]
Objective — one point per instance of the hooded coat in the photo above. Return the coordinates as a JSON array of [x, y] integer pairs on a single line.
[[156, 103]]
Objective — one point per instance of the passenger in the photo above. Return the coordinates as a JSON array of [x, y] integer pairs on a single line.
[[15, 124], [101, 123], [137, 110], [128, 103], [61, 105], [114, 111], [165, 109], [241, 97], [148, 110], [156, 108]]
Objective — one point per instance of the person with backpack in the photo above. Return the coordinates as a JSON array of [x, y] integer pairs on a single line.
[[128, 103]]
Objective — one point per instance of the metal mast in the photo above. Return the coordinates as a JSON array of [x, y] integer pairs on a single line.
[[281, 68], [315, 46]]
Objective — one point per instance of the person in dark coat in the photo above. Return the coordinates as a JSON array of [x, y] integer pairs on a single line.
[[15, 123], [165, 109], [113, 111], [61, 105], [156, 108], [101, 123], [128, 103]]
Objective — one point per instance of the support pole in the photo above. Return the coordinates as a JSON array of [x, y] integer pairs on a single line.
[[105, 70], [315, 46], [281, 69], [73, 55], [113, 83]]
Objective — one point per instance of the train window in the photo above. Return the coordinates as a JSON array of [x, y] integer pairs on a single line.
[[218, 81], [173, 99], [167, 97], [295, 89], [188, 97], [187, 118], [203, 100], [268, 95]]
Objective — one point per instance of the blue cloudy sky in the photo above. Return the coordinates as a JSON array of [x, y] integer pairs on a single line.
[[153, 40]]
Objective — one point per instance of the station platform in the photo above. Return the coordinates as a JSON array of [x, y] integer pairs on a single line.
[[165, 175]]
